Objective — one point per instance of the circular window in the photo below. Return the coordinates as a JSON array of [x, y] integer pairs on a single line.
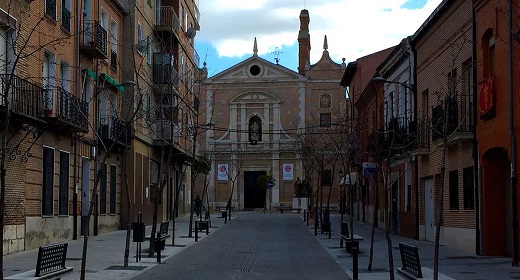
[[254, 70]]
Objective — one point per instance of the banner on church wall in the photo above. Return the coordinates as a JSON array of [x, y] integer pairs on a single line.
[[287, 171], [222, 172]]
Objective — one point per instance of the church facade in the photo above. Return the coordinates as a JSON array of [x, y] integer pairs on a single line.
[[259, 113]]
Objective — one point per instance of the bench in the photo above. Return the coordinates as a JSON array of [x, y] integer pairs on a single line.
[[346, 237], [50, 264], [162, 235], [411, 264], [282, 208]]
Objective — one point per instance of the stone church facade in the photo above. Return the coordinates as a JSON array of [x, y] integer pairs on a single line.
[[258, 112]]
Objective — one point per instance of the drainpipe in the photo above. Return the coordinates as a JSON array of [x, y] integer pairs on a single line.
[[416, 163], [476, 170], [78, 86], [511, 133]]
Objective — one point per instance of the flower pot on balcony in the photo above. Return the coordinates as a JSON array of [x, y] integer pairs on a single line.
[[47, 112]]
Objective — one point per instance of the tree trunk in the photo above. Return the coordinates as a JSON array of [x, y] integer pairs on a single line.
[[158, 194], [387, 231], [439, 212], [128, 217], [190, 226], [373, 229]]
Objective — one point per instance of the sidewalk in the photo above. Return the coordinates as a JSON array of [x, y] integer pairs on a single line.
[[453, 264], [106, 252]]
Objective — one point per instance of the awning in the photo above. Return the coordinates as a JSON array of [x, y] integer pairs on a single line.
[[89, 72], [113, 82]]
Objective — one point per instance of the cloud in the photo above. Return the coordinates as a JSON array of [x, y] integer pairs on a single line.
[[354, 28]]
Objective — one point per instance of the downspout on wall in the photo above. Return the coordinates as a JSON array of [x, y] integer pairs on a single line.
[[476, 169], [511, 132]]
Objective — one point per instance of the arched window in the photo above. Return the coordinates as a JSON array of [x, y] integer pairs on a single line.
[[488, 53], [255, 130]]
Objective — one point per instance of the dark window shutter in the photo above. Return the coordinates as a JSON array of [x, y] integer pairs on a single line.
[[103, 190], [113, 193], [64, 184], [48, 181]]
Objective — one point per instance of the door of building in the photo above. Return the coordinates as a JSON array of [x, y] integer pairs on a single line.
[[254, 195], [428, 210], [395, 207]]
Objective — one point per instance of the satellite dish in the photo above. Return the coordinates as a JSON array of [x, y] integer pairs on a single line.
[[142, 46], [191, 32]]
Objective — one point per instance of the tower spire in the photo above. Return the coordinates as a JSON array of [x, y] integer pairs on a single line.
[[255, 49], [325, 44]]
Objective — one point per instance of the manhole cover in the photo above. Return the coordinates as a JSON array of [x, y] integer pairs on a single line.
[[130, 267]]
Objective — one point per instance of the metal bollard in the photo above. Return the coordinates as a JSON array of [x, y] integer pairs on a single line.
[[304, 215], [354, 249], [207, 227], [158, 248], [196, 231]]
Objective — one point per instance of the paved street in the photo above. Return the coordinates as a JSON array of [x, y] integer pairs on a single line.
[[253, 246]]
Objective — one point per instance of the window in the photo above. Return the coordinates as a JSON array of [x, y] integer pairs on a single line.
[[50, 9], [149, 50], [113, 45], [181, 16], [3, 51], [49, 70], [454, 189], [452, 82], [65, 14], [408, 199], [154, 181], [113, 188], [255, 130], [468, 188], [48, 181], [326, 177], [488, 53], [64, 184], [325, 120], [181, 65], [103, 190], [424, 107], [139, 35]]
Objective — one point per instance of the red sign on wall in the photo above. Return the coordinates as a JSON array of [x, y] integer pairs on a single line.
[[486, 96]]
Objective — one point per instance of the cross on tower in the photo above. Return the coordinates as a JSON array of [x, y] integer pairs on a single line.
[[277, 55]]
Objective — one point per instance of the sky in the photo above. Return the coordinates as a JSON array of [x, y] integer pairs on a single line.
[[354, 28]]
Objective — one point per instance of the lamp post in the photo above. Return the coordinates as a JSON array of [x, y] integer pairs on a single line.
[[411, 88]]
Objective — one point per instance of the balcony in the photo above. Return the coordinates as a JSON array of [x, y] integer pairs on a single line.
[[164, 70], [420, 138], [167, 21], [113, 60], [166, 133], [453, 119], [114, 131], [63, 111], [65, 19], [25, 99], [94, 40]]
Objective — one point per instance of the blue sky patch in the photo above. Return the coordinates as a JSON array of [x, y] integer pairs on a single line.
[[414, 4]]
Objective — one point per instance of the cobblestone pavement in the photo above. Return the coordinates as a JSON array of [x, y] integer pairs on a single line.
[[253, 246]]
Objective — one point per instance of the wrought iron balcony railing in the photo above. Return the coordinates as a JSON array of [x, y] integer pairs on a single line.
[[167, 20], [113, 129], [164, 71], [65, 110], [454, 116], [65, 18], [94, 39], [25, 98]]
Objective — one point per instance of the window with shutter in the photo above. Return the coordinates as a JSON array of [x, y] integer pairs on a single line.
[[103, 190], [64, 184], [48, 181], [113, 190]]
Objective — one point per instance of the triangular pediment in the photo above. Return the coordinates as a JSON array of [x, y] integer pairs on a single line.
[[256, 69]]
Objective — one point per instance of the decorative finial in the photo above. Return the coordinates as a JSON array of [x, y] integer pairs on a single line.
[[204, 64], [277, 55], [255, 49], [325, 44]]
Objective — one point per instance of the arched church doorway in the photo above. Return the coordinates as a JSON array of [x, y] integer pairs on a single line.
[[254, 195], [496, 203]]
